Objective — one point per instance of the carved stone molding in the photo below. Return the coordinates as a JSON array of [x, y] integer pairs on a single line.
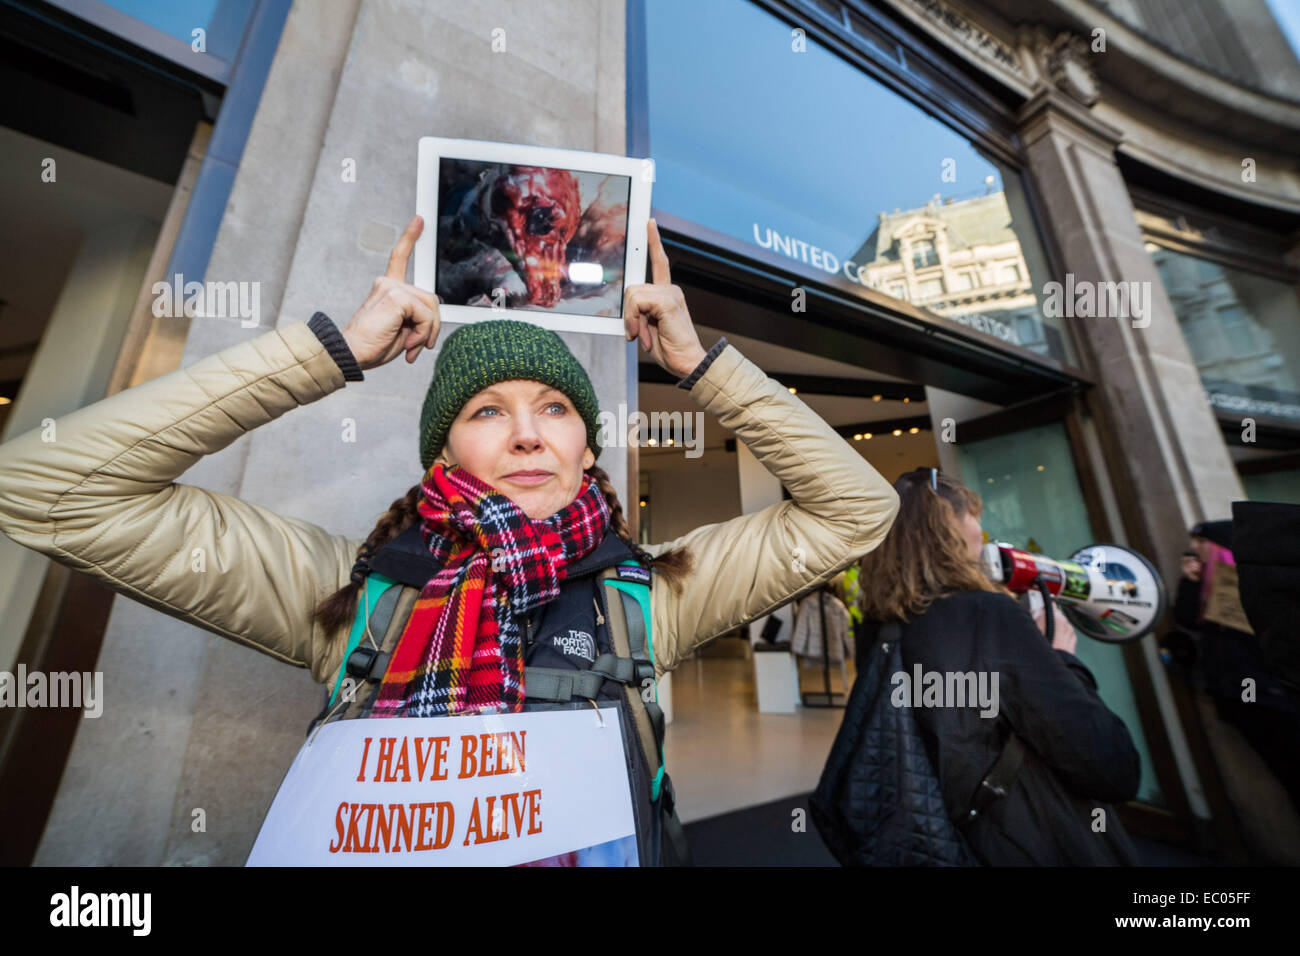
[[969, 34], [1065, 63]]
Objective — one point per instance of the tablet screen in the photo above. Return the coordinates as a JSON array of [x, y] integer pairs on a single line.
[[531, 237]]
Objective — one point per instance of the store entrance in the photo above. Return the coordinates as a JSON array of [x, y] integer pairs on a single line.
[[754, 709]]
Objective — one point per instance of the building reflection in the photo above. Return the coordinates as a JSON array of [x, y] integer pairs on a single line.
[[959, 258]]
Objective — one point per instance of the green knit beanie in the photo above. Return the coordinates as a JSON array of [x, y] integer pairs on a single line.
[[498, 350]]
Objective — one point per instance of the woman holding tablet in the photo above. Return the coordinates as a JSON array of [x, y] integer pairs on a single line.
[[499, 543]]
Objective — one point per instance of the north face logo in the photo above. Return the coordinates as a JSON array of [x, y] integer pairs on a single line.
[[575, 644]]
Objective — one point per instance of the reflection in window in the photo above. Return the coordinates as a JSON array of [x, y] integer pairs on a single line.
[[977, 238], [1032, 499], [923, 254], [1243, 331], [783, 151], [222, 22], [1280, 486]]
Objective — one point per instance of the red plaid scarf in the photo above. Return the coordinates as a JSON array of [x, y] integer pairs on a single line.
[[461, 651]]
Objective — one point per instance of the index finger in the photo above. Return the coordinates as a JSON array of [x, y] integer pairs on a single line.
[[402, 251], [659, 274]]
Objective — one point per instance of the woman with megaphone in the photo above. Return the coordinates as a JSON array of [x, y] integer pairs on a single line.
[[1026, 755]]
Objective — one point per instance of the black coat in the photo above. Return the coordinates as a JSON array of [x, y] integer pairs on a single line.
[[1078, 754], [1266, 545]]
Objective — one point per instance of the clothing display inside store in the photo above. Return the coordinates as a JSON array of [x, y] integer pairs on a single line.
[[817, 616]]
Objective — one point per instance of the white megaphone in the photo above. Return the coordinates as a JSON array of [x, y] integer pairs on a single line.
[[1107, 592]]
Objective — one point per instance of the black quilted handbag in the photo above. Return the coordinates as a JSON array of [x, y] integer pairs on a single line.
[[878, 802]]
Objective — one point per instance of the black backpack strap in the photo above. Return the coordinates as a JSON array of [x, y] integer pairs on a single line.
[[560, 684], [997, 781], [642, 667], [368, 662], [672, 829]]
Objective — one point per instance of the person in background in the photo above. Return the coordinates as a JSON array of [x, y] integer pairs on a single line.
[[1232, 667], [1078, 755]]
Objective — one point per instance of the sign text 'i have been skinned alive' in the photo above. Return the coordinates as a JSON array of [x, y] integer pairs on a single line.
[[497, 790]]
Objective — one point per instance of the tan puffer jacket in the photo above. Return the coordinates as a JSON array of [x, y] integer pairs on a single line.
[[103, 499]]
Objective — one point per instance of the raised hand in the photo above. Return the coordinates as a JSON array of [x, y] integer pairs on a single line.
[[397, 317], [655, 312]]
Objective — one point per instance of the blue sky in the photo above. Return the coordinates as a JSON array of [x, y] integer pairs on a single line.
[[744, 130], [1287, 14]]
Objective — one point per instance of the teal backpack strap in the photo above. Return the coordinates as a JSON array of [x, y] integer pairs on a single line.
[[635, 598], [376, 588]]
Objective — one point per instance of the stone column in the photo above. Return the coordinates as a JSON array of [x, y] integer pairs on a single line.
[[1165, 430]]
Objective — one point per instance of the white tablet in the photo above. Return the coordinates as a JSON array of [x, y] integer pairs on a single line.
[[550, 236]]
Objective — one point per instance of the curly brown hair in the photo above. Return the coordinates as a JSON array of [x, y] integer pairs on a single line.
[[924, 555], [338, 609]]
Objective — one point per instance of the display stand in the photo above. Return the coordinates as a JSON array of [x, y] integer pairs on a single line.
[[828, 696]]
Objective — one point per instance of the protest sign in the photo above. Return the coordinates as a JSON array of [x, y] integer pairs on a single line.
[[548, 788]]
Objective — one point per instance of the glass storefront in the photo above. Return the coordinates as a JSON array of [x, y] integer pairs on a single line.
[[1032, 500], [1279, 486], [760, 134], [222, 21], [1243, 331]]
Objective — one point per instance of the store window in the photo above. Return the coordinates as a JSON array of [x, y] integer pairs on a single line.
[[1032, 500], [1242, 329], [222, 21], [201, 35], [1277, 486], [763, 135]]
